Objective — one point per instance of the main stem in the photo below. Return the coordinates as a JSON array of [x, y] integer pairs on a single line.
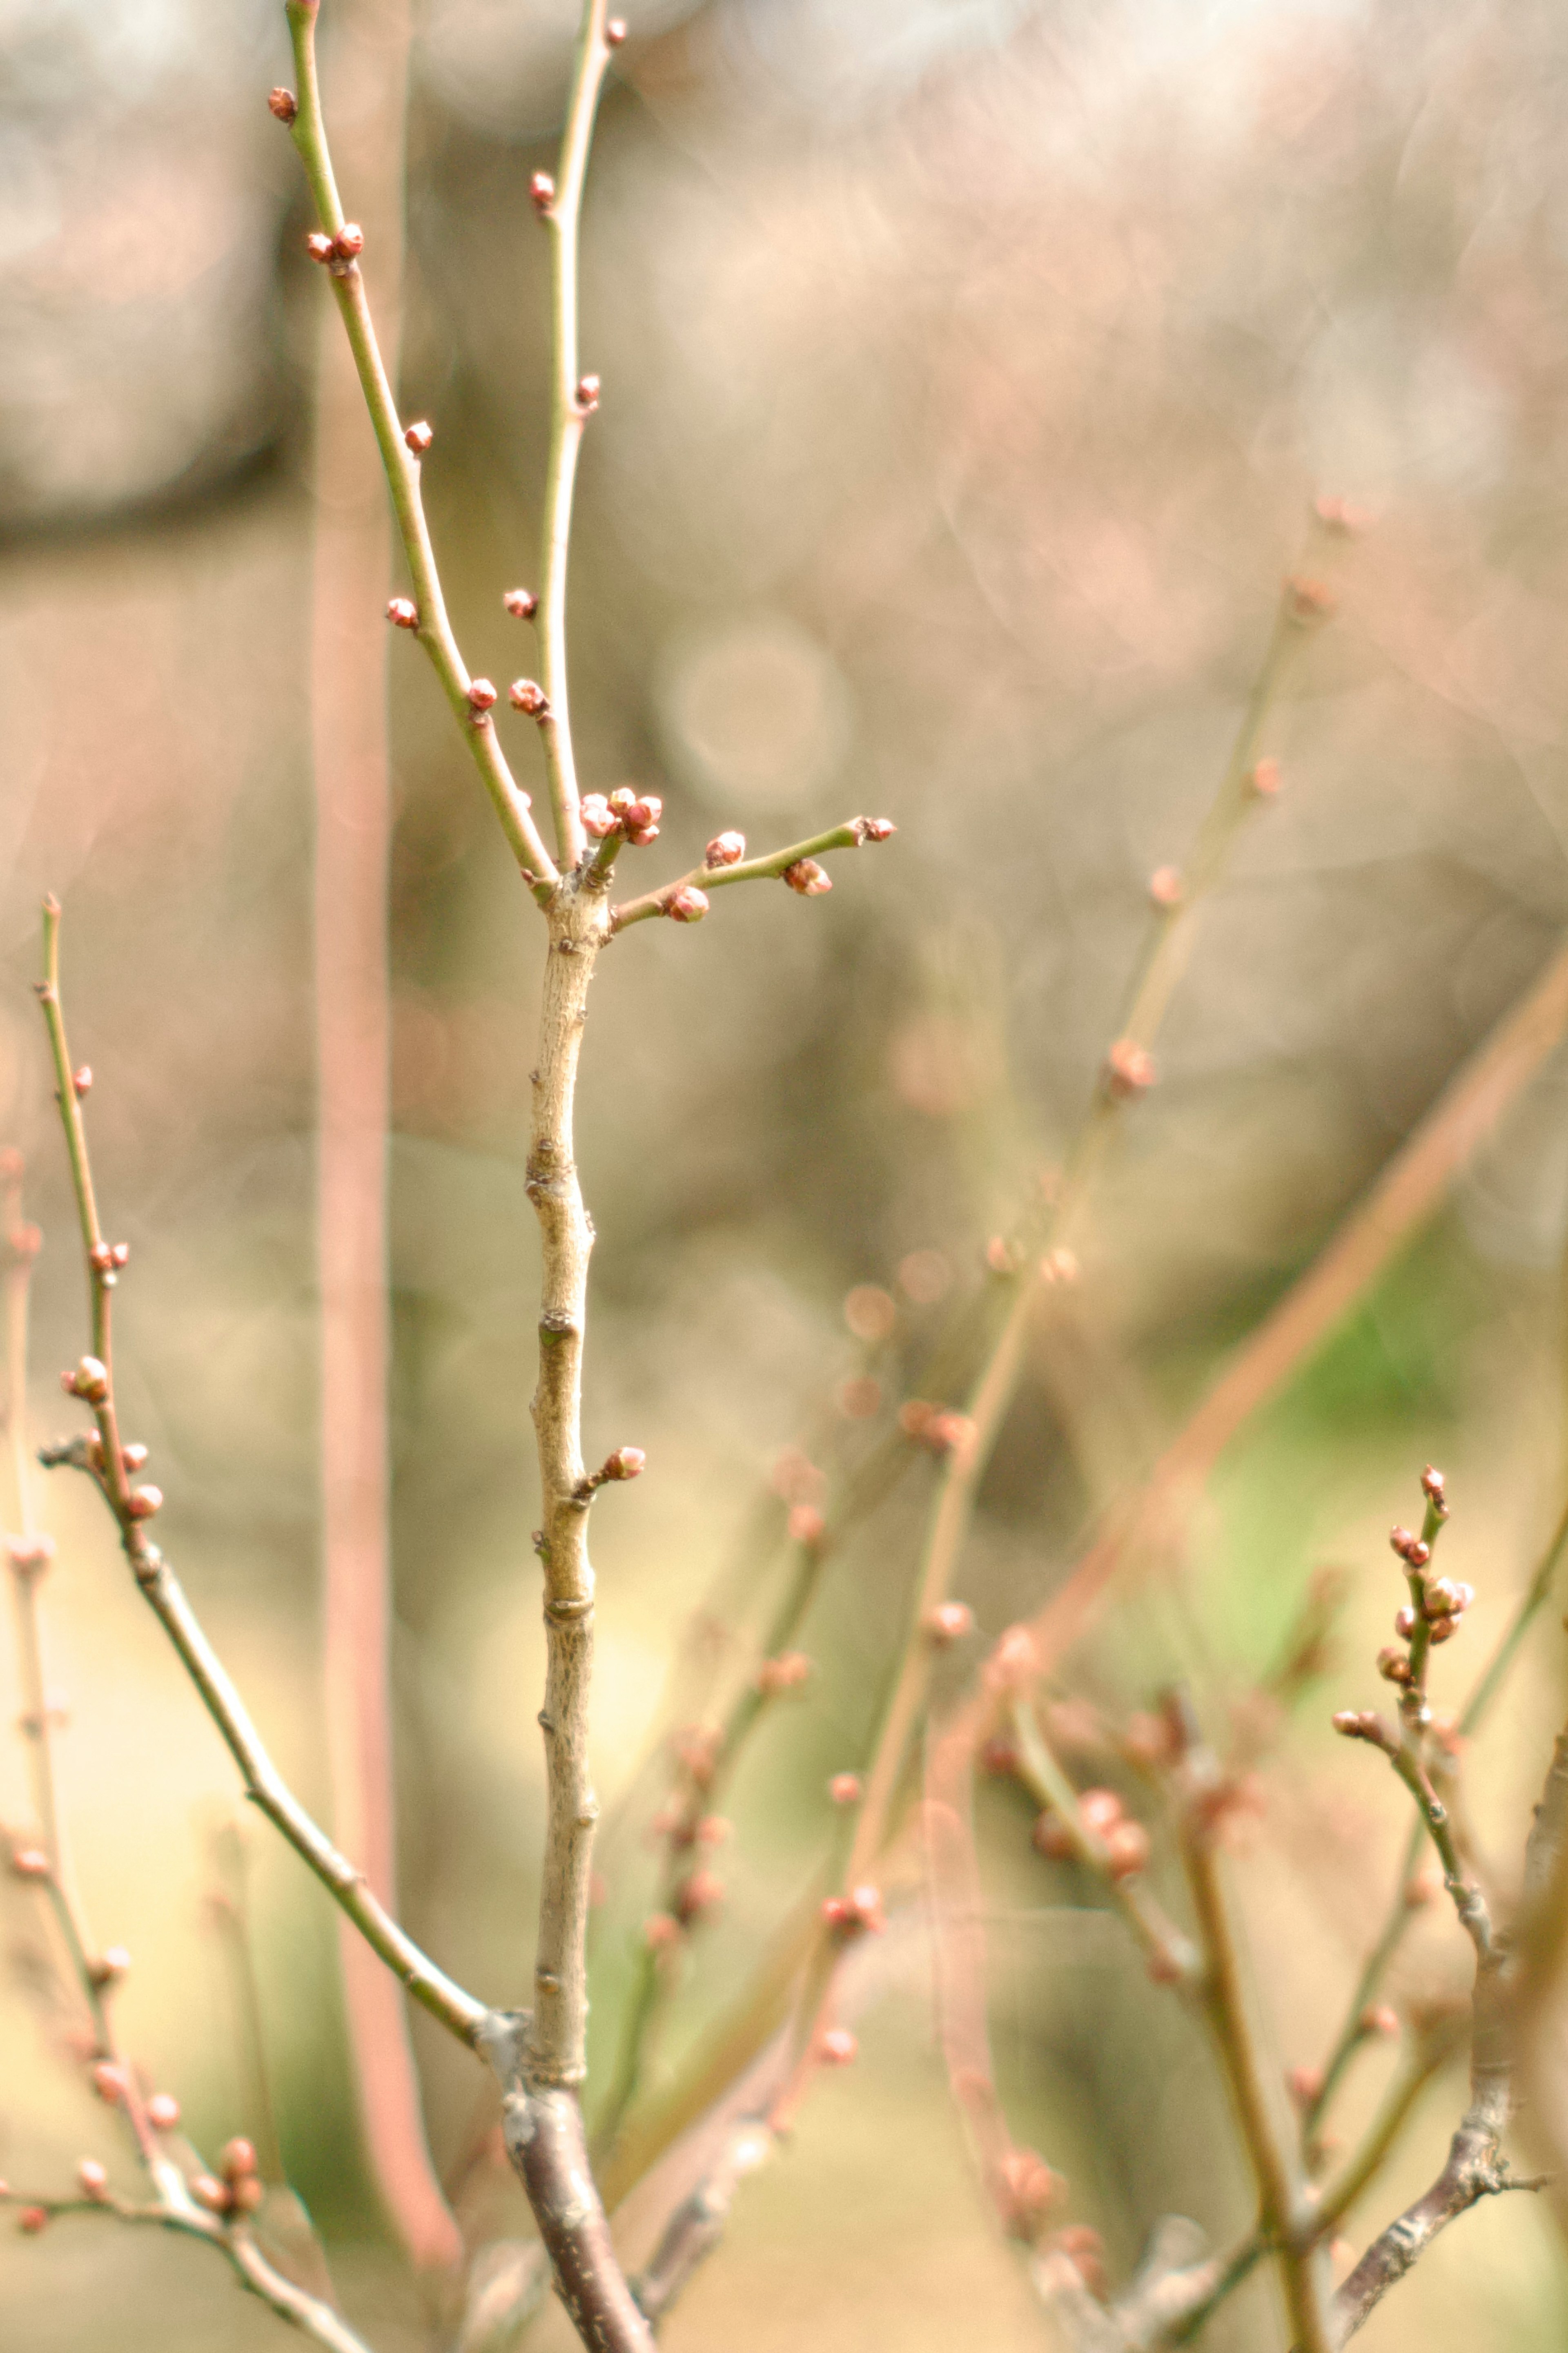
[[555, 2055]]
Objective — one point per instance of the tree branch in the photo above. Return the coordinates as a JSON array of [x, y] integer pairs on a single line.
[[131, 1506], [401, 466], [852, 835]]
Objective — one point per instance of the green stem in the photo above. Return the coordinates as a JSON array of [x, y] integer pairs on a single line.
[[511, 804]]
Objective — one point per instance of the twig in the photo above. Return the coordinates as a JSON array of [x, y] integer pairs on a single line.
[[434, 630], [1225, 1999], [697, 2223], [232, 2241], [94, 1382], [853, 835]]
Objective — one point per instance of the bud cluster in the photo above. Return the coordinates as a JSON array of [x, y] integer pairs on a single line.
[[860, 1913], [635, 815], [240, 2191], [1123, 1842], [938, 1428], [336, 253], [785, 1673]]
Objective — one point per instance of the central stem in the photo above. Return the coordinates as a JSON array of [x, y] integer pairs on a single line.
[[578, 924]]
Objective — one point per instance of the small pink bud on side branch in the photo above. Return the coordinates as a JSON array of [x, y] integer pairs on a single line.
[[29, 1862], [1165, 888], [319, 247], [808, 878], [520, 603], [90, 1382], [164, 2111], [1129, 1069], [482, 696], [785, 1673], [82, 1081], [143, 1503], [419, 437], [1308, 602], [93, 2178], [403, 613], [687, 905], [838, 2047], [526, 694], [625, 1462], [587, 394], [349, 242], [614, 32], [873, 828], [541, 192], [282, 103], [724, 850], [949, 1622], [844, 1789], [1264, 779]]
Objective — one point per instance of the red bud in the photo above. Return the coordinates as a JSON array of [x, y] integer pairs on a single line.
[[403, 613], [419, 437], [520, 603], [283, 104]]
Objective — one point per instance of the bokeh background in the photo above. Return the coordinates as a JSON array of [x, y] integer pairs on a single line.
[[971, 367]]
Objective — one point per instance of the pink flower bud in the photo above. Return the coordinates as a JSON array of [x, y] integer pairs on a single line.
[[702, 1891], [599, 820], [806, 1524], [164, 2111], [1307, 601], [1027, 2190], [838, 2047], [1393, 1666], [1400, 1540], [687, 905], [1099, 1810], [875, 829], [238, 2159], [403, 613], [836, 1912], [29, 1862], [89, 1381], [134, 1456], [1444, 1628], [93, 2178], [82, 1081], [526, 694], [1418, 1553], [541, 192], [1379, 2020], [247, 2195], [319, 247], [1265, 779], [860, 1399], [1127, 1850], [587, 393], [1058, 1265], [1052, 1837], [29, 1555], [714, 1829], [614, 32], [1129, 1069], [844, 1789], [1304, 2084], [121, 1254], [211, 2194], [109, 2083], [784, 1674], [520, 603], [1341, 516], [481, 694], [349, 242], [950, 1621], [1404, 1622], [1166, 887], [32, 2220], [725, 849], [1012, 1663], [625, 1462], [1423, 1888], [623, 799], [283, 104], [112, 1967], [142, 1502], [806, 877], [419, 437]]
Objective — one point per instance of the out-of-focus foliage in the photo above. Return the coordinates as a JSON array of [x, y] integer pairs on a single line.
[[969, 370]]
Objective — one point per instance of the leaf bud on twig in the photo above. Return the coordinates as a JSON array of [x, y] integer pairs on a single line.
[[349, 242], [808, 878], [419, 437], [873, 828], [520, 603], [282, 103], [587, 393], [1432, 1484], [687, 905], [164, 2111], [1443, 1630], [1378, 2019], [541, 192], [1304, 2085], [526, 694], [1129, 1069], [725, 849], [1393, 1666], [1361, 1723], [403, 613], [134, 1456], [1404, 1622]]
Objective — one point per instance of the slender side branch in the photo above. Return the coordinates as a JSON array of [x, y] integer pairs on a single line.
[[304, 2311], [852, 835], [429, 619], [131, 1506]]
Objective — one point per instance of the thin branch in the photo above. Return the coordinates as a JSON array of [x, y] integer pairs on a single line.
[[131, 1507], [232, 2241], [697, 2223], [402, 467], [852, 835], [573, 399]]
